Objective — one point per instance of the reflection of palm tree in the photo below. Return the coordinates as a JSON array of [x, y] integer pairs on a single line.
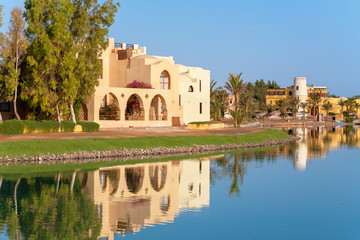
[[237, 168]]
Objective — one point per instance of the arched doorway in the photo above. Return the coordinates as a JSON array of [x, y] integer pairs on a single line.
[[158, 177], [134, 108], [134, 178], [158, 110], [109, 108]]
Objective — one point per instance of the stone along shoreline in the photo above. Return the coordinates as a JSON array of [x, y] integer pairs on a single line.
[[129, 154]]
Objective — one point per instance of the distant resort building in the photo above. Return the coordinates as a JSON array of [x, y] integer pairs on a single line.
[[304, 91], [173, 94]]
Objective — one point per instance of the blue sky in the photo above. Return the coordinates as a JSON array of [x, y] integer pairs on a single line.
[[270, 39]]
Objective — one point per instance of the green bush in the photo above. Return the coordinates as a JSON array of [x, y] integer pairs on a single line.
[[349, 120], [10, 127], [89, 126], [67, 126], [45, 126]]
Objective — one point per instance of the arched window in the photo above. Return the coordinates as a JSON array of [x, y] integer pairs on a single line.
[[191, 89], [164, 80]]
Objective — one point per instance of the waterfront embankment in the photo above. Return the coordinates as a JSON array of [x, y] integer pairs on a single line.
[[100, 149]]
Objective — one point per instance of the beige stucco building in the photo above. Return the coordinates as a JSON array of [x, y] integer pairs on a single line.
[[178, 94]]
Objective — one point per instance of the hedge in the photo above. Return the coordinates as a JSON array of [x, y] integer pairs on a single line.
[[89, 126], [67, 126], [11, 127]]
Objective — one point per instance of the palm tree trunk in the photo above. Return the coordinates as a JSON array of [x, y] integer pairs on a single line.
[[1, 120], [72, 113], [1, 179]]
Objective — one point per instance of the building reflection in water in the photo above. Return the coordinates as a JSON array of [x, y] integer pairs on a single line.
[[130, 197], [315, 142]]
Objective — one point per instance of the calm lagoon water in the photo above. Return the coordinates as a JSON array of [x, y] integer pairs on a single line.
[[306, 190]]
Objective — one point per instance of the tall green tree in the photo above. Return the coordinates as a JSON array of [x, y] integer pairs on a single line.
[[4, 93], [48, 54], [15, 48], [260, 93], [66, 40], [89, 27], [272, 85]]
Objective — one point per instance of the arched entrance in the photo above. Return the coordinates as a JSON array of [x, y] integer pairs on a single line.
[[158, 177], [158, 111], [134, 108], [109, 108], [134, 179]]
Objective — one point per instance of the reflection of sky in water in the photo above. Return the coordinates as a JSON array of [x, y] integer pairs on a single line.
[[306, 190]]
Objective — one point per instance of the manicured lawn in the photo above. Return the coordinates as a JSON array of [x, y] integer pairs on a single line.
[[36, 147]]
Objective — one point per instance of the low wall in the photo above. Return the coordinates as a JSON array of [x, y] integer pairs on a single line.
[[205, 126]]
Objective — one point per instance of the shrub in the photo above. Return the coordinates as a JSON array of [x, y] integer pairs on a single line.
[[110, 112], [45, 126], [349, 120], [89, 126], [67, 126], [139, 84], [10, 127], [331, 114]]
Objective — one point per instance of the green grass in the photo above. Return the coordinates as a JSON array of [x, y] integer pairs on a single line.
[[37, 147], [16, 171]]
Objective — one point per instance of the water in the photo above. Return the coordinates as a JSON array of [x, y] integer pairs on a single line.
[[306, 190]]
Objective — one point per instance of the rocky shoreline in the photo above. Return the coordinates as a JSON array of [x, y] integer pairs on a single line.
[[131, 154]]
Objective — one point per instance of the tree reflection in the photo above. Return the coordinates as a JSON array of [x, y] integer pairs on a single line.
[[47, 208]]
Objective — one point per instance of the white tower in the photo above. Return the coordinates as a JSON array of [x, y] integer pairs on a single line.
[[301, 90]]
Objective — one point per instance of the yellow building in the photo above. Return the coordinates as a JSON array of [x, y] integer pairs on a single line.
[[304, 91]]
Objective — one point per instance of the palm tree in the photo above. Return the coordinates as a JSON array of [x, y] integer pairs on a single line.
[[313, 102], [327, 107], [303, 105], [214, 90], [295, 105], [282, 105], [235, 86], [357, 106], [349, 103], [215, 107], [341, 103]]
